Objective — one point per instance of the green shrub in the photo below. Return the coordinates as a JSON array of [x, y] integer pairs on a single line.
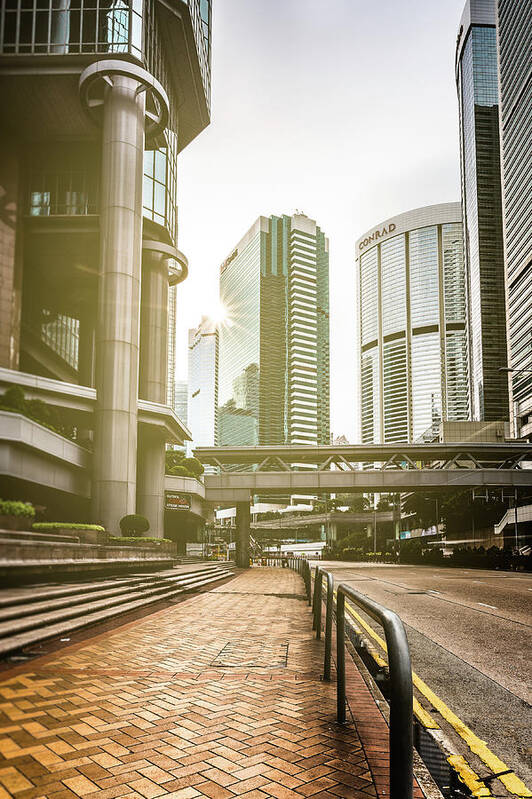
[[10, 507], [193, 465], [14, 398], [64, 525], [180, 471], [133, 524]]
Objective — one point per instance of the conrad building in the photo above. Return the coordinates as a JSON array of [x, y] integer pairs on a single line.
[[478, 102], [411, 298], [514, 30], [274, 347], [99, 98]]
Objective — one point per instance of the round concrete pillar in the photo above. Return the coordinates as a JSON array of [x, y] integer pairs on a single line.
[[243, 526], [115, 94], [154, 327], [117, 331], [150, 490]]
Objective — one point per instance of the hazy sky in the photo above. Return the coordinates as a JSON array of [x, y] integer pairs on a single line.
[[345, 110]]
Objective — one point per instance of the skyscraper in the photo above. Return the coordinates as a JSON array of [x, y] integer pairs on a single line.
[[411, 300], [180, 403], [203, 384], [478, 102], [102, 97], [514, 31], [274, 348]]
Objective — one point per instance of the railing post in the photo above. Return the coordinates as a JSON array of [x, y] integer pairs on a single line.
[[328, 628], [340, 657], [318, 580], [401, 724]]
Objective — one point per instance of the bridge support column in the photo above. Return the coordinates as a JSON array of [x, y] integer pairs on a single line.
[[243, 524]]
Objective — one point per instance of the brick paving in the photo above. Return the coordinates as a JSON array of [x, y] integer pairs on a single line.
[[219, 696]]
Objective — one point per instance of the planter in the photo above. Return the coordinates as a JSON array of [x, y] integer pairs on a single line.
[[85, 536], [10, 522]]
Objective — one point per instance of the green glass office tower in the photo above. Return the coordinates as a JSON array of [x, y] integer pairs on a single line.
[[274, 347], [478, 101]]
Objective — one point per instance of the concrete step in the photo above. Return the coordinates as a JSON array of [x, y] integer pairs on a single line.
[[11, 536], [49, 616], [46, 591], [83, 596], [52, 628]]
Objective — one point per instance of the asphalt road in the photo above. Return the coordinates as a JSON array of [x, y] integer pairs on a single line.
[[470, 637]]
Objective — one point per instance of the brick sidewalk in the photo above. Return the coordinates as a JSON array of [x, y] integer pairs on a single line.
[[217, 697]]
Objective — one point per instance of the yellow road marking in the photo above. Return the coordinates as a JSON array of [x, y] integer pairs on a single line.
[[468, 776], [424, 717], [510, 781]]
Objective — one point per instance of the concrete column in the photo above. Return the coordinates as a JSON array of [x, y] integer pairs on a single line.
[[117, 336], [243, 522], [150, 490], [11, 239], [154, 327]]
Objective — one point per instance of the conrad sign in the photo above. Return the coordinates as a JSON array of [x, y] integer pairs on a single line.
[[376, 235]]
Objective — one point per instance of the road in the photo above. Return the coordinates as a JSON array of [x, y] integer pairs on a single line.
[[470, 636]]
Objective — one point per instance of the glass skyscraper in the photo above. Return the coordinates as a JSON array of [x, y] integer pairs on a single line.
[[411, 298], [478, 101], [274, 347], [203, 384], [514, 25]]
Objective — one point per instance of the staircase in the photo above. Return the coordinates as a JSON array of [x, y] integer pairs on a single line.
[[35, 614]]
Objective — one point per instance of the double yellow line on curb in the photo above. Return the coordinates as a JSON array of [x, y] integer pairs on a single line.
[[510, 780]]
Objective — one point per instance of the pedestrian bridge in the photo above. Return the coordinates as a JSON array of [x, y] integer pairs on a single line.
[[387, 468]]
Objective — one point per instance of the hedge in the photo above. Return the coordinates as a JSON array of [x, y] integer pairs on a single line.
[[67, 525], [10, 507]]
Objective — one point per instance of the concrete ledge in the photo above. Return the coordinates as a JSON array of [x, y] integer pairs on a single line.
[[35, 454]]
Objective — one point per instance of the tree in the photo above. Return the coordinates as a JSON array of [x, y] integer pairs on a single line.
[[193, 465]]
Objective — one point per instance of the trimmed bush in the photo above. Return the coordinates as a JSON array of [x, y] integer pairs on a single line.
[[45, 526], [133, 524], [10, 507]]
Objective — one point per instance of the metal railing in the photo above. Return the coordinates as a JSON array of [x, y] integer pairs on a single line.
[[400, 670]]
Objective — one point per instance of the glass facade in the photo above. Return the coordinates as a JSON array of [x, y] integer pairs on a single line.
[[515, 45], [274, 350], [72, 26], [478, 97], [412, 312], [203, 348], [159, 195], [61, 333]]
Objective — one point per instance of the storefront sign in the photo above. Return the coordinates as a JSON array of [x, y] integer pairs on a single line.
[[175, 501]]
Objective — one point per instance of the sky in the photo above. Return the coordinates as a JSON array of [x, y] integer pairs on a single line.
[[345, 110]]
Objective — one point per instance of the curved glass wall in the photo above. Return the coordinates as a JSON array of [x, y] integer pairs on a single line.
[[414, 359], [159, 193], [72, 26]]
